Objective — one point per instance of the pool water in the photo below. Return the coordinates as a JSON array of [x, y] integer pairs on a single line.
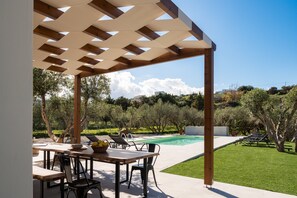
[[175, 140]]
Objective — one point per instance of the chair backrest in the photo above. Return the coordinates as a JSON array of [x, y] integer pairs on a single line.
[[154, 148], [130, 136], [66, 166], [118, 139], [92, 138], [65, 162]]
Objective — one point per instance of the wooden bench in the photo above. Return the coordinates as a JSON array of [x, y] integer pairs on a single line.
[[46, 175]]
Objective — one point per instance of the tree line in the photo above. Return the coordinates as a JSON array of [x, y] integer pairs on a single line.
[[244, 110]]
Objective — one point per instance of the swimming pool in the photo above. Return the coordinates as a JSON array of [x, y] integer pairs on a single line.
[[179, 140]]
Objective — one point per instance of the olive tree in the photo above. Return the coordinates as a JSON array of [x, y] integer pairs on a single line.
[[155, 117], [50, 86], [177, 117], [46, 83], [236, 118], [275, 112]]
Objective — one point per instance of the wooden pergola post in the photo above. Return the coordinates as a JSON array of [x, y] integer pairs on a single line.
[[77, 101], [208, 116]]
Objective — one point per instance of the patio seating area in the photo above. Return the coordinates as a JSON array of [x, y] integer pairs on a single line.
[[169, 155], [261, 140]]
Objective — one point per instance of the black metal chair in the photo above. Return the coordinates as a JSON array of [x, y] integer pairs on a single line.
[[79, 186], [150, 163]]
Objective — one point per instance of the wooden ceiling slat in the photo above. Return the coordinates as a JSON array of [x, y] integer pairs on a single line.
[[123, 60], [56, 69], [89, 60], [148, 33], [99, 30], [133, 49], [106, 8], [184, 53], [98, 33], [196, 32], [86, 69], [52, 49], [95, 71], [54, 60], [47, 10], [151, 35], [93, 49], [169, 7], [100, 71], [174, 49], [118, 67], [48, 33]]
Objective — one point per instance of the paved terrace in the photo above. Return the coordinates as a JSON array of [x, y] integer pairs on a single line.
[[168, 185]]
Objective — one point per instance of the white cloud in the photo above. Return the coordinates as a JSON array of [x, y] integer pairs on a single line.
[[123, 84]]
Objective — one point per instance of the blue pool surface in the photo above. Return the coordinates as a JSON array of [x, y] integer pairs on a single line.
[[179, 140]]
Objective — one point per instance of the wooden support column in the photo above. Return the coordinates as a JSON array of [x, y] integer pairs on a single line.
[[208, 116], [77, 101]]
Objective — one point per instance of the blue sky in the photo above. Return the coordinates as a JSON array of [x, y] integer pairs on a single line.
[[256, 45]]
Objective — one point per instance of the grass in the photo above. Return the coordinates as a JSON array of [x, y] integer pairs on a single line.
[[257, 167]]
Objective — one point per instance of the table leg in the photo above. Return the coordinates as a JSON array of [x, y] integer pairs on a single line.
[[62, 187], [91, 168], [41, 189], [48, 165], [145, 177], [44, 159], [117, 180]]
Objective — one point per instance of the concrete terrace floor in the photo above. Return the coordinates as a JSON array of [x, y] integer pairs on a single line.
[[168, 185]]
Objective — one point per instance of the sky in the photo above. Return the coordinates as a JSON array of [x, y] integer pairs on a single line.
[[256, 45]]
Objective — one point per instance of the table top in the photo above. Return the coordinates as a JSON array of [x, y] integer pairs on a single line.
[[111, 155]]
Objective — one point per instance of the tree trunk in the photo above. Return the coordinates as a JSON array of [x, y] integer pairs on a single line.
[[274, 135], [280, 147], [46, 120], [279, 143]]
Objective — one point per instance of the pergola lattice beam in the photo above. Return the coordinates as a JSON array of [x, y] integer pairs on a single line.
[[92, 49], [52, 49], [48, 33], [106, 8], [151, 35], [130, 64], [47, 10]]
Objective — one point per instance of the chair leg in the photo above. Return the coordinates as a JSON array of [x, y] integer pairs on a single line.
[[54, 160], [68, 191], [130, 178], [155, 177], [86, 169], [100, 191]]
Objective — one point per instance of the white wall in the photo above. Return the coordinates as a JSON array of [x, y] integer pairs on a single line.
[[16, 98], [199, 130]]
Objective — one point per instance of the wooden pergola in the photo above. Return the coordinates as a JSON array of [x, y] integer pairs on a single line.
[[93, 37]]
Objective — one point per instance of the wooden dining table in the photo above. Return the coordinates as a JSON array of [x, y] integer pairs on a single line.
[[114, 156]]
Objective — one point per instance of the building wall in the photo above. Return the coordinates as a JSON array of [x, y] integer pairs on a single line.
[[16, 98]]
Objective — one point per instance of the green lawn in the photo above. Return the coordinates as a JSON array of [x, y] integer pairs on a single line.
[[257, 167]]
